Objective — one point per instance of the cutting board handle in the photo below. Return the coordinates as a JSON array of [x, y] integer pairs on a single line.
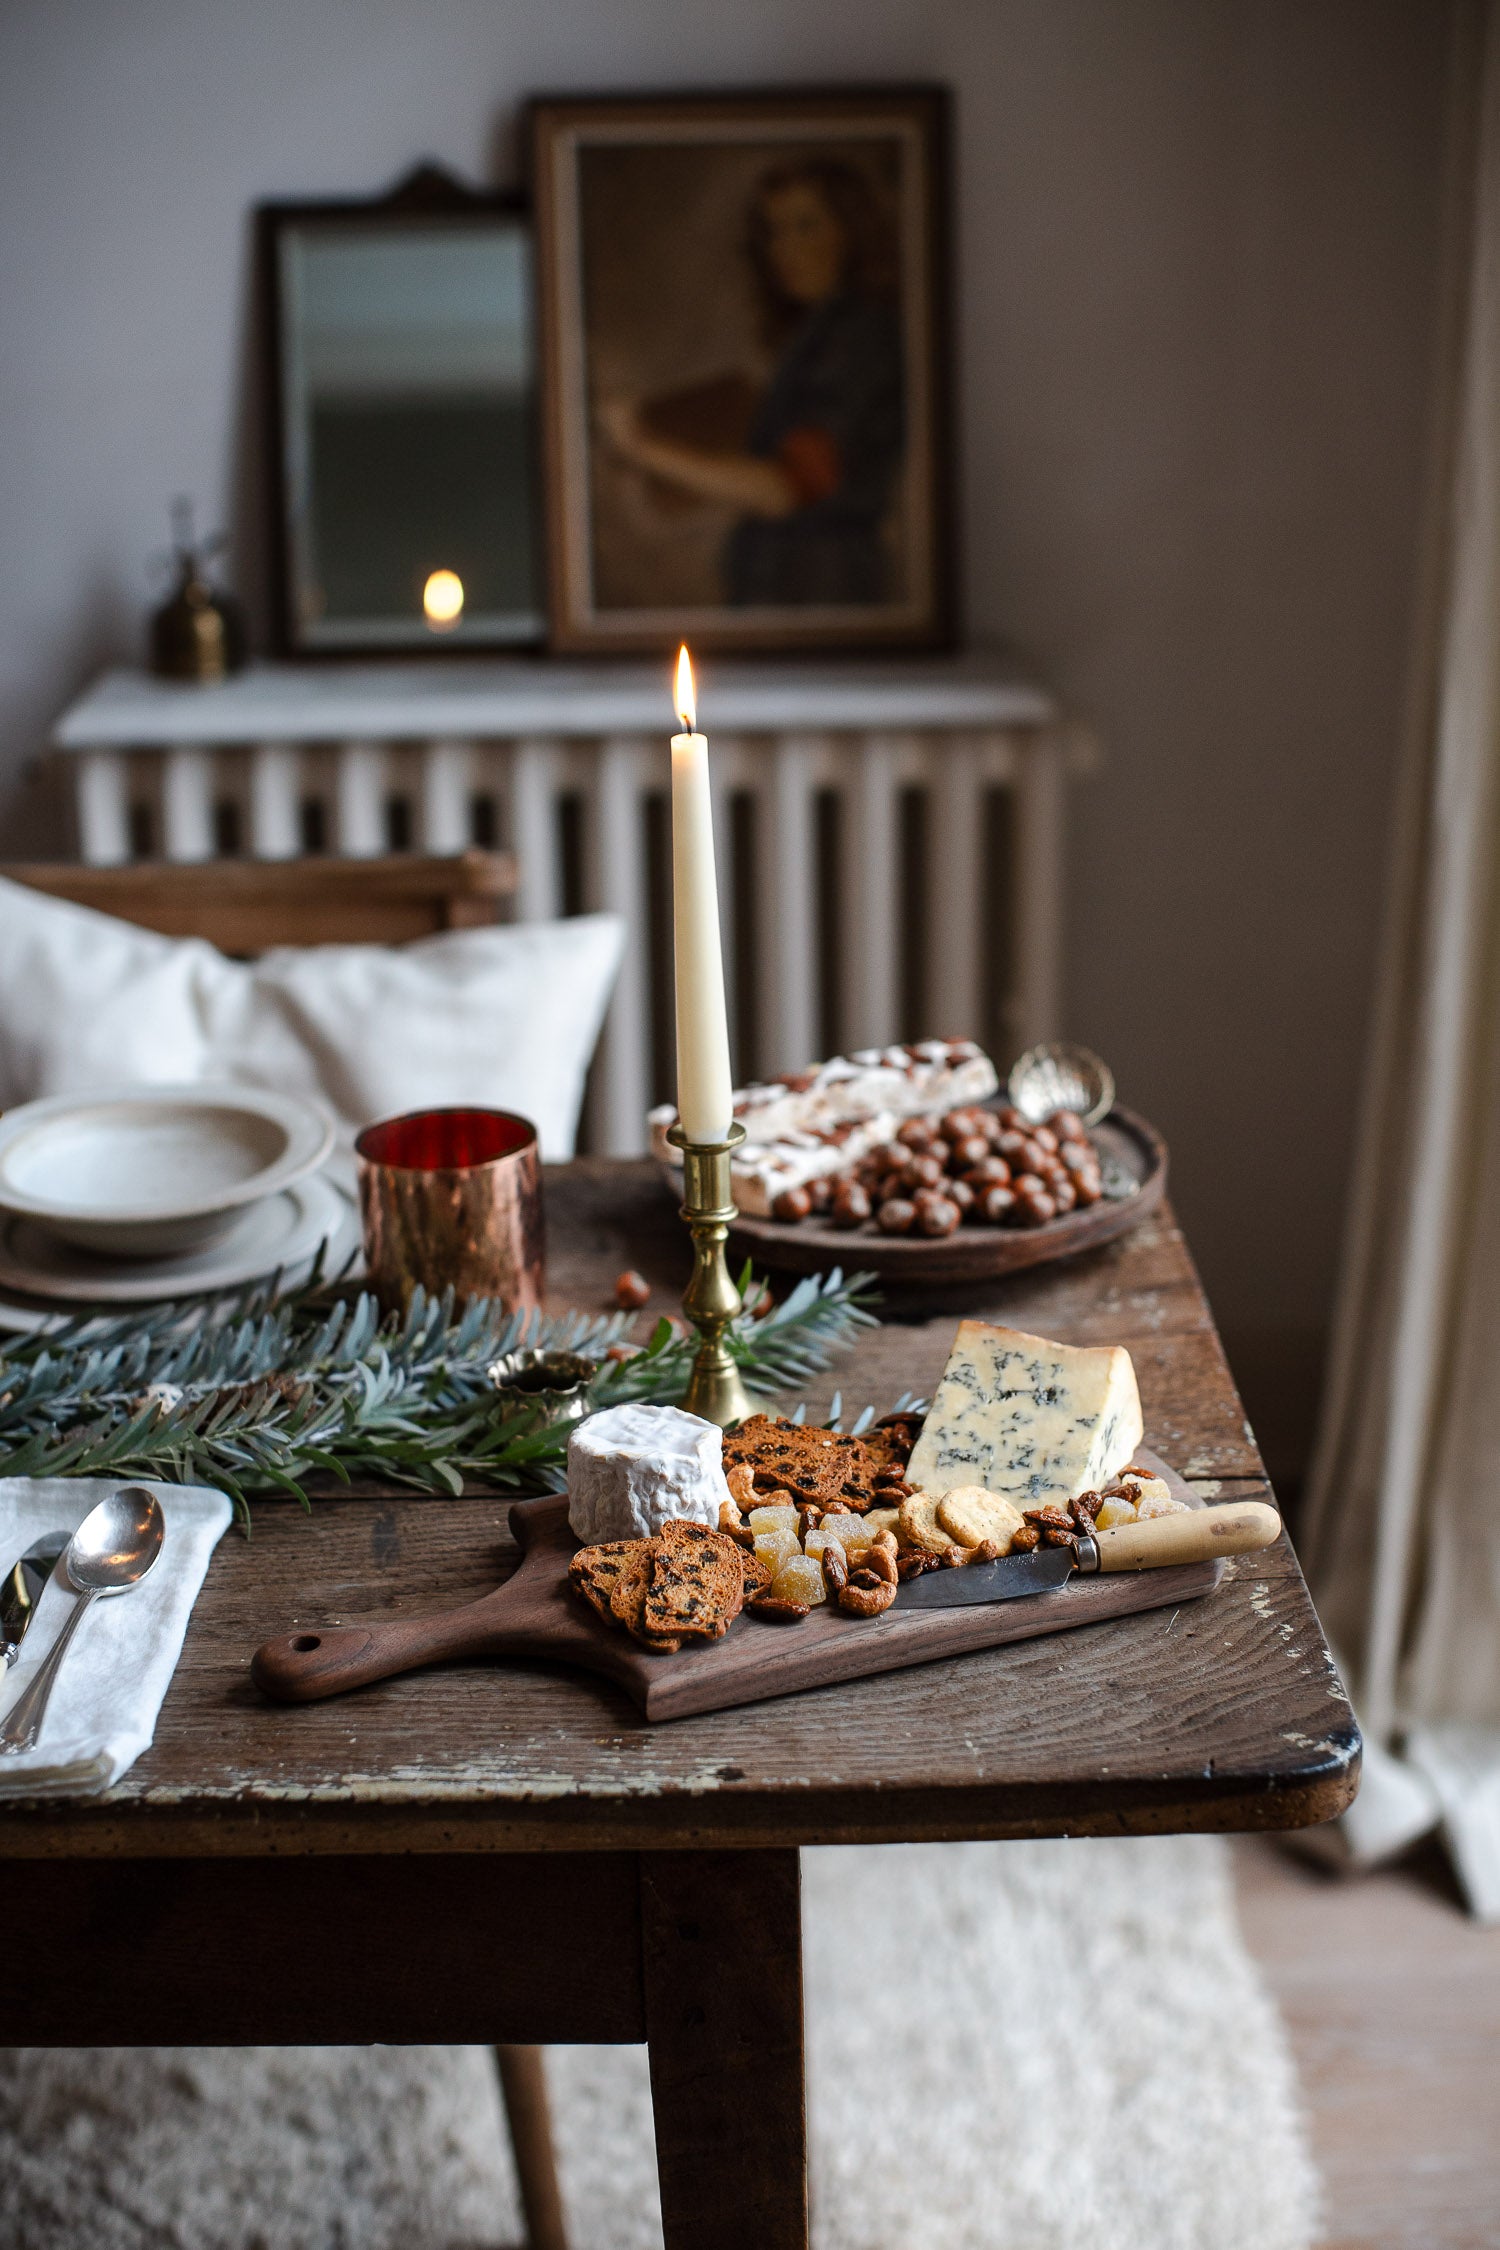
[[1197, 1535], [323, 1660]]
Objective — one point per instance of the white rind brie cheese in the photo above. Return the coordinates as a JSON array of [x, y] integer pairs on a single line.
[[1035, 1421], [633, 1468]]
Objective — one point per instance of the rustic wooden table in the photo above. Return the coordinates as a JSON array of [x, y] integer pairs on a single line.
[[511, 1855]]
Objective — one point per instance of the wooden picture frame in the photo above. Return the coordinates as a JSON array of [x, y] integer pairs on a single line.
[[463, 257], [743, 340]]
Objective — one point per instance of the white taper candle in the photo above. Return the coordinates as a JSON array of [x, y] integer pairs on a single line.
[[705, 1097]]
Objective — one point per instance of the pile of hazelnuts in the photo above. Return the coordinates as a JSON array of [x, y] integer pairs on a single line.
[[981, 1167]]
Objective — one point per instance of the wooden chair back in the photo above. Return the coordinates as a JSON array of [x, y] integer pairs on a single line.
[[244, 906]]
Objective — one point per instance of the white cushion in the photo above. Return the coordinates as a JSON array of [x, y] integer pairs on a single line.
[[505, 1018]]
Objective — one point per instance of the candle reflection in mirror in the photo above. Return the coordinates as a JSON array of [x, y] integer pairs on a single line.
[[443, 600]]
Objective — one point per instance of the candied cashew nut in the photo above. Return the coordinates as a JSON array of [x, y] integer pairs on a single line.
[[776, 1611], [741, 1483], [880, 1563], [867, 1600], [885, 1541], [835, 1569], [733, 1525], [1050, 1519]]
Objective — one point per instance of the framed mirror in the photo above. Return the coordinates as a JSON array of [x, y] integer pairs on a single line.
[[403, 396]]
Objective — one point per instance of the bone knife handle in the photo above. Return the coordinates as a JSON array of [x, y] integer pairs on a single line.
[[1195, 1535]]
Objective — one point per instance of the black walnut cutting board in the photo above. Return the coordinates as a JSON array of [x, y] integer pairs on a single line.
[[535, 1615]]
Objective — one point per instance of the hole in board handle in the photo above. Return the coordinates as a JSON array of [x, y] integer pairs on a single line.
[[305, 1643]]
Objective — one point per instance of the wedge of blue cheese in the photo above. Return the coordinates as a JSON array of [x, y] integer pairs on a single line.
[[1037, 1422]]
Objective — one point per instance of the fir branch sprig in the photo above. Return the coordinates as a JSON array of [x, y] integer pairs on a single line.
[[263, 1390]]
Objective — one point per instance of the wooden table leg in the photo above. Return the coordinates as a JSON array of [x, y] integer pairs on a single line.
[[523, 2082], [721, 1944]]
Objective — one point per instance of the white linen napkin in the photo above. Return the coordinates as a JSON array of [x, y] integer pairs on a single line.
[[114, 1678]]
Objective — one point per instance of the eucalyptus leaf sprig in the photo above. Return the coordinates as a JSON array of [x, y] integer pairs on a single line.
[[264, 1389]]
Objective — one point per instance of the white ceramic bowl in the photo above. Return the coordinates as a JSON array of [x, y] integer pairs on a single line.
[[141, 1171]]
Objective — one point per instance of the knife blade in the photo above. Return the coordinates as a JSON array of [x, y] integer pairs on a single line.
[[22, 1590], [1008, 1580], [1194, 1535]]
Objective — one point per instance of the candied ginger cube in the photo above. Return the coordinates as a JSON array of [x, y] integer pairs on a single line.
[[1112, 1513], [1158, 1502], [772, 1519], [800, 1580], [776, 1547], [852, 1533]]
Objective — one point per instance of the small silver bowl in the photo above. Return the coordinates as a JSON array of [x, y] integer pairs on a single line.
[[1049, 1078], [554, 1385]]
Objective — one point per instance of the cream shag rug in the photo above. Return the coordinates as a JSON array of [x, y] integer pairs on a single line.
[[1068, 2049]]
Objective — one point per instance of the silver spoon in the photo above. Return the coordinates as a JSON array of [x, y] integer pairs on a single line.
[[111, 1551]]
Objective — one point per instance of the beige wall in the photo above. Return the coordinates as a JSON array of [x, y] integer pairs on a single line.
[[1197, 243], [1196, 388]]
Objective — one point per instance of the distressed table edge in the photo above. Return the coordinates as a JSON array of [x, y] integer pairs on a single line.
[[1304, 1796]]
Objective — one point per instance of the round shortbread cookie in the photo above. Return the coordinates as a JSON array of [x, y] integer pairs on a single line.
[[972, 1516], [920, 1526]]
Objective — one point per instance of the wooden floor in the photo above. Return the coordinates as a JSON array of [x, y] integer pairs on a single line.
[[1392, 1998]]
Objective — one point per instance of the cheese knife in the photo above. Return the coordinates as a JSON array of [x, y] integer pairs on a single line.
[[1237, 1527], [22, 1591]]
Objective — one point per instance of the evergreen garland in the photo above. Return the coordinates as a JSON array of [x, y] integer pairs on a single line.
[[260, 1390]]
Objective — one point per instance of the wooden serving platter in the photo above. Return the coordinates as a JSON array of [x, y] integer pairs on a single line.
[[534, 1615], [975, 1253]]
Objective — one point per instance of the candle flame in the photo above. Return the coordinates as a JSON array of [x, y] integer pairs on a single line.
[[443, 600], [687, 700]]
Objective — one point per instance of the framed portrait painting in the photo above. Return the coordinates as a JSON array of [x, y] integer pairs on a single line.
[[742, 330]]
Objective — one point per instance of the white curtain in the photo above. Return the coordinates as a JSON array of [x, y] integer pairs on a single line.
[[1402, 1542]]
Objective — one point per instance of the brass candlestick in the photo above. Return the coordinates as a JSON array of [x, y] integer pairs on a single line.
[[716, 1389]]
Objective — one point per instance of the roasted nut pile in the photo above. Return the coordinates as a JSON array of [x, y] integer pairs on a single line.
[[816, 1555], [820, 1511], [976, 1167], [1133, 1497]]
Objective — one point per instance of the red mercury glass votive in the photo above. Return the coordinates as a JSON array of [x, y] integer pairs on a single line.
[[452, 1198]]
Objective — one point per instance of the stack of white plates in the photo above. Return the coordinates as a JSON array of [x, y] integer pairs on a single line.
[[148, 1193]]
